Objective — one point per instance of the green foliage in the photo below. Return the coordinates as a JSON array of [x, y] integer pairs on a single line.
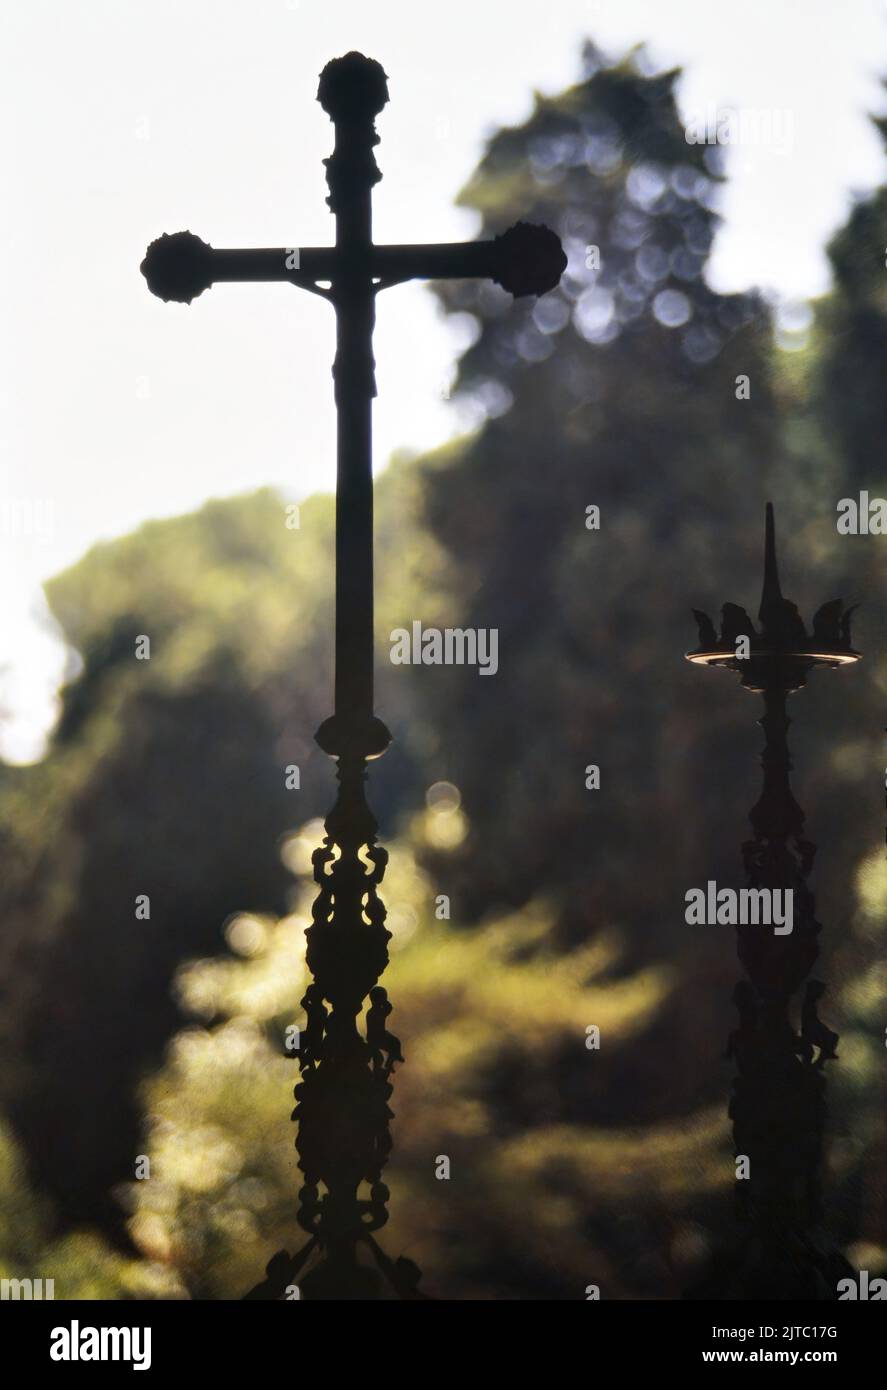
[[167, 777], [528, 1201], [616, 403], [79, 1264]]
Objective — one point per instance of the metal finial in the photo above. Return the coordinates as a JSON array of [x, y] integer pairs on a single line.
[[353, 88], [771, 592]]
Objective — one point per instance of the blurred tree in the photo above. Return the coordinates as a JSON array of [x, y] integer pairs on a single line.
[[532, 1207], [165, 777], [853, 319], [618, 390], [846, 406], [76, 1266]]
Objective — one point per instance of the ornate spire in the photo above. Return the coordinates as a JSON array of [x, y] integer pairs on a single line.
[[777, 1106], [782, 639], [771, 593]]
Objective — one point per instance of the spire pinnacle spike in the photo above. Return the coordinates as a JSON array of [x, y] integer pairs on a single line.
[[771, 592]]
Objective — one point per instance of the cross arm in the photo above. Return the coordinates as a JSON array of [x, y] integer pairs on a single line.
[[181, 266], [526, 259]]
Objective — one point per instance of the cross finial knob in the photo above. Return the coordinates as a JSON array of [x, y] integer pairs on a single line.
[[353, 88], [529, 259], [178, 267]]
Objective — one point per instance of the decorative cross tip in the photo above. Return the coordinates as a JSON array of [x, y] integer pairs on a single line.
[[529, 259], [353, 88], [178, 267]]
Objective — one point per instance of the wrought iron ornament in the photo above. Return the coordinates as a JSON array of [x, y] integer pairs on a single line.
[[778, 1105], [342, 1098]]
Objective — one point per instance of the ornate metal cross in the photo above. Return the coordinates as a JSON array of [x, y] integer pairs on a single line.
[[342, 1110]]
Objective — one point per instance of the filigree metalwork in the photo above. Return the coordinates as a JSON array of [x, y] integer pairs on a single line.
[[778, 1102]]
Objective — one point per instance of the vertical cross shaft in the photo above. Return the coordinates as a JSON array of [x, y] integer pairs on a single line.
[[352, 92], [524, 260]]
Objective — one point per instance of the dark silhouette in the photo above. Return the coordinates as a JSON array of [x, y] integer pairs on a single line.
[[343, 1096], [311, 1041], [384, 1046], [778, 1103], [814, 1032]]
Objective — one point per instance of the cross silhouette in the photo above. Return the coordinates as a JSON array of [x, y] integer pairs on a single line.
[[342, 1098], [524, 260]]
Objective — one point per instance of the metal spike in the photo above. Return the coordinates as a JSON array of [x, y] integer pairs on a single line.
[[771, 592]]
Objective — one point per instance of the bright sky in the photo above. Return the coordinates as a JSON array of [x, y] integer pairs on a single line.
[[123, 119]]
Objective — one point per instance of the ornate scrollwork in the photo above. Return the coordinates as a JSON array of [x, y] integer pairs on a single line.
[[346, 1057], [778, 1101]]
